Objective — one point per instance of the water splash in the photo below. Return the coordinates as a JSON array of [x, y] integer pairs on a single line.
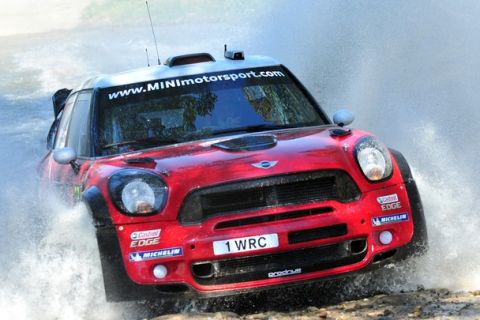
[[409, 74], [55, 272]]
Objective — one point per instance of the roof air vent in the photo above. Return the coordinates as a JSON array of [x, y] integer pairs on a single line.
[[189, 59], [234, 55]]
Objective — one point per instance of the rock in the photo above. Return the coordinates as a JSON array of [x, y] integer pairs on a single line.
[[418, 311], [323, 314], [375, 314], [350, 307], [200, 316], [387, 312]]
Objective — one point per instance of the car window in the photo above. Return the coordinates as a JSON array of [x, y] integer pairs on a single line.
[[61, 137], [137, 116], [78, 136], [53, 131]]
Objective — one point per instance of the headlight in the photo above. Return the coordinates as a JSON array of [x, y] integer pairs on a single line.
[[374, 159], [137, 192]]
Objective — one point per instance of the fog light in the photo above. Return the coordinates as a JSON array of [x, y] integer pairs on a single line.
[[160, 271], [385, 237]]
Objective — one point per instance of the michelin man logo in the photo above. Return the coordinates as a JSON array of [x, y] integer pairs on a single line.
[[135, 257]]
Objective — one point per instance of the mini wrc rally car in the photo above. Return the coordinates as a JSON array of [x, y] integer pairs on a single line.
[[210, 178]]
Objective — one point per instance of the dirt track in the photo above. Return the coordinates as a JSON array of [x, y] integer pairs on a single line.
[[423, 304]]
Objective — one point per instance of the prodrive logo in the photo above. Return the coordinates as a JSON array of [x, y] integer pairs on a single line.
[[286, 272]]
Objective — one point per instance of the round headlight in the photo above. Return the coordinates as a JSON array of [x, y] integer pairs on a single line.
[[374, 159], [137, 192], [138, 197]]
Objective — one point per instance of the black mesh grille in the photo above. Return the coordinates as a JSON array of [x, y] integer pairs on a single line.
[[306, 191], [262, 266], [233, 201], [274, 191], [272, 217], [317, 233]]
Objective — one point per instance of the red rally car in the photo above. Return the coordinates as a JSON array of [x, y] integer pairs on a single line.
[[209, 178]]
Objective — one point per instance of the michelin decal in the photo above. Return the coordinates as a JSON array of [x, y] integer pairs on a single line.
[[394, 218], [156, 254]]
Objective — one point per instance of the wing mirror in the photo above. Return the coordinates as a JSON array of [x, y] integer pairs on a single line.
[[67, 155], [343, 117]]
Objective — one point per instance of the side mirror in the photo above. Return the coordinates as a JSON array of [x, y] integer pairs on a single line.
[[67, 156], [343, 117], [64, 155]]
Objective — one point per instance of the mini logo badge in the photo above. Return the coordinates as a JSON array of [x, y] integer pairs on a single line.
[[394, 218], [387, 199], [264, 164]]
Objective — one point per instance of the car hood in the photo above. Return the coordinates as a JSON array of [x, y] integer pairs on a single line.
[[205, 162], [189, 166]]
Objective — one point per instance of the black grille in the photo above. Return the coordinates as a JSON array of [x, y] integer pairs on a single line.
[[233, 201], [306, 191], [262, 266], [272, 217], [268, 192], [317, 233]]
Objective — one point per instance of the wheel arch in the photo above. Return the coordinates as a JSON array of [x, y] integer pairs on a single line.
[[419, 243]]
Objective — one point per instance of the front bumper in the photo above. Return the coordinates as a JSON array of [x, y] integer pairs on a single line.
[[322, 249]]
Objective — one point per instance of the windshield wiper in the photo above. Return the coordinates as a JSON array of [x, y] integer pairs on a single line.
[[253, 128], [155, 141]]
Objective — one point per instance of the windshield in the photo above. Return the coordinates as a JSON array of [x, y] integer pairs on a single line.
[[163, 112]]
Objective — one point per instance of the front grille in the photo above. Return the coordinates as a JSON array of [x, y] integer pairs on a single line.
[[262, 266], [233, 201], [272, 217], [274, 191], [317, 233]]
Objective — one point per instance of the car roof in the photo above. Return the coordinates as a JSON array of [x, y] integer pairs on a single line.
[[164, 72]]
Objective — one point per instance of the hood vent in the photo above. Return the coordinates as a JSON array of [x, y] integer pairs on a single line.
[[248, 143]]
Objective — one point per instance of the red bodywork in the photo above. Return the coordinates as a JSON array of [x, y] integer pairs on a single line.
[[189, 166]]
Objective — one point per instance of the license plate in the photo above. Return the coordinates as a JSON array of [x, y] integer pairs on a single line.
[[261, 242]]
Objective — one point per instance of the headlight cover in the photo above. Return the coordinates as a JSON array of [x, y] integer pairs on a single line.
[[374, 159], [137, 192]]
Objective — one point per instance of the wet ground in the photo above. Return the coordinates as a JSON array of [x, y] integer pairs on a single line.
[[421, 304]]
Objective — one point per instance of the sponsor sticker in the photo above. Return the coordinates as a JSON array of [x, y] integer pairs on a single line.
[[155, 254], [388, 199], [144, 242], [394, 218], [391, 206], [172, 83], [286, 272], [147, 234]]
